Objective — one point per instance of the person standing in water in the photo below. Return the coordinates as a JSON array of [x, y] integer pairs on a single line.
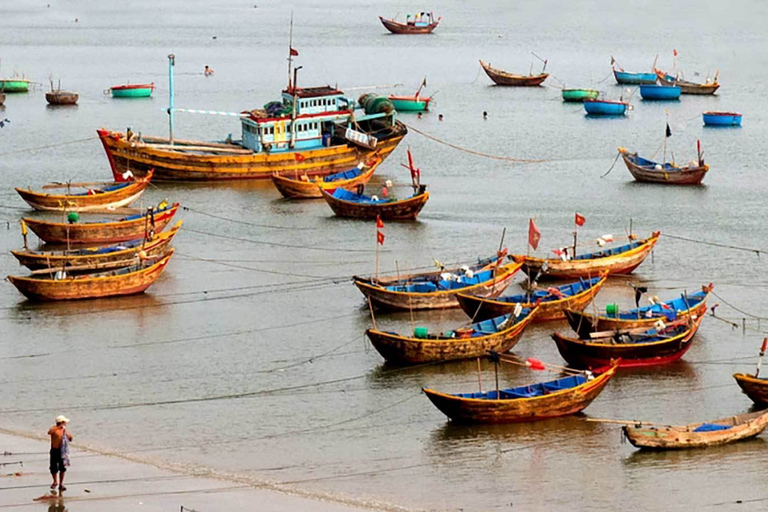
[[60, 438], [208, 71]]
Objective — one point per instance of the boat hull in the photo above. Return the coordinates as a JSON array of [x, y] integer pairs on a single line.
[[405, 350], [140, 158], [406, 209], [756, 389], [721, 119], [579, 95], [553, 405], [12, 86], [390, 299], [623, 263], [585, 324], [100, 232], [605, 108], [660, 92], [306, 189], [745, 426], [682, 176], [132, 91], [123, 196], [479, 308], [500, 77], [157, 246], [403, 28], [688, 87], [61, 98], [622, 77], [86, 287], [589, 354]]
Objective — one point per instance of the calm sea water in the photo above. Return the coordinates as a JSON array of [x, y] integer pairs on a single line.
[[260, 308]]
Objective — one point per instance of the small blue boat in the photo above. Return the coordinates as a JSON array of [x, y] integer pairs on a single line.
[[660, 92], [722, 119], [622, 77], [605, 108]]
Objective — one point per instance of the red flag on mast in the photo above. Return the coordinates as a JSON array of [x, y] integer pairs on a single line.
[[380, 237], [534, 235], [580, 220], [379, 222], [294, 52]]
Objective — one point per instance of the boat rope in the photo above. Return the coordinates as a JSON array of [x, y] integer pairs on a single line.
[[609, 75], [714, 244], [618, 154], [48, 146], [262, 270], [236, 221], [477, 153], [211, 112], [479, 70]]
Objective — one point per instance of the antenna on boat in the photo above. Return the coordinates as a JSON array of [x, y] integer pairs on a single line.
[[171, 63]]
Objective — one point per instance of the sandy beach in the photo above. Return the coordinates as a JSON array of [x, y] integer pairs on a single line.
[[97, 481]]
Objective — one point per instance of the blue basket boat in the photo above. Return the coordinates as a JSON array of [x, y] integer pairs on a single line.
[[722, 119], [625, 78], [605, 108], [660, 92]]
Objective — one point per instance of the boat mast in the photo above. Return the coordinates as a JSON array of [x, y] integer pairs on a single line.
[[290, 51], [171, 63]]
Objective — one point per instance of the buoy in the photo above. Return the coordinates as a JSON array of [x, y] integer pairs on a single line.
[[658, 167]]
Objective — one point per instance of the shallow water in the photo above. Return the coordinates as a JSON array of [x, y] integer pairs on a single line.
[[262, 311]]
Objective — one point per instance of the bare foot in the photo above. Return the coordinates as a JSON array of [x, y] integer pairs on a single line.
[[62, 488], [54, 485]]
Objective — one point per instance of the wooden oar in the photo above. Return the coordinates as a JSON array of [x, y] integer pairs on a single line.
[[623, 422], [58, 184]]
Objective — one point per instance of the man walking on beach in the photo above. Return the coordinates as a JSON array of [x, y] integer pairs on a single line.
[[60, 438]]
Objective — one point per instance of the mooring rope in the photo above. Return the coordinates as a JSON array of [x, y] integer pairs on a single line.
[[477, 153], [715, 244], [47, 146]]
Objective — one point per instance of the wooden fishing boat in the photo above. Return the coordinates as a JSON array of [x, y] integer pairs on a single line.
[[424, 23], [687, 87], [134, 227], [97, 256], [97, 196], [132, 90], [549, 303], [660, 92], [755, 388], [722, 119], [680, 308], [605, 108], [437, 290], [62, 286], [626, 78], [499, 334], [560, 397], [651, 347], [697, 435], [648, 171], [501, 77], [346, 203], [61, 97], [304, 188], [580, 95], [617, 260]]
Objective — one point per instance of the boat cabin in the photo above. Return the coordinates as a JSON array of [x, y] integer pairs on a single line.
[[305, 119]]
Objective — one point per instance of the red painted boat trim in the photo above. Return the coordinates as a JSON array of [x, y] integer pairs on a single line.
[[722, 114]]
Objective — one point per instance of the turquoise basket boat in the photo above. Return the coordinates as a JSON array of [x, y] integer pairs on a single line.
[[132, 90], [605, 108], [14, 85], [722, 119], [660, 92], [580, 94], [626, 78], [410, 103]]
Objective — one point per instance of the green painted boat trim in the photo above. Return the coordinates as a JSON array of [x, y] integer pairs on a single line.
[[580, 94], [132, 93], [14, 85], [409, 105]]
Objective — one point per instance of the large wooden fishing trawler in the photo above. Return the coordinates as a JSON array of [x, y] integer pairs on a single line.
[[312, 131]]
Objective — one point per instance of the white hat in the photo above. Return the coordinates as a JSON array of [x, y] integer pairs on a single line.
[[62, 419]]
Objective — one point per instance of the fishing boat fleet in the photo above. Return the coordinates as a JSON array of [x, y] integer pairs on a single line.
[[317, 143]]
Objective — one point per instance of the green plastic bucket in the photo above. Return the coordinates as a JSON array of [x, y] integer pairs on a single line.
[[420, 332], [612, 309]]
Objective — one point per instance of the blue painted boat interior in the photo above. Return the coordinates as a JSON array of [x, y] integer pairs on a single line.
[[650, 165], [111, 188], [565, 290], [344, 175], [529, 391], [681, 303], [610, 252]]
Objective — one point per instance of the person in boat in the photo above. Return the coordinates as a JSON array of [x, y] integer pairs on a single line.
[[60, 439], [208, 71]]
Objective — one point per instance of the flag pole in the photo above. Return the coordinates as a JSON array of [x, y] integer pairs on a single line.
[[664, 159], [760, 359], [575, 236], [376, 241], [290, 55]]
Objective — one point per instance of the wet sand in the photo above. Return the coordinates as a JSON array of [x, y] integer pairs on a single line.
[[98, 481]]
